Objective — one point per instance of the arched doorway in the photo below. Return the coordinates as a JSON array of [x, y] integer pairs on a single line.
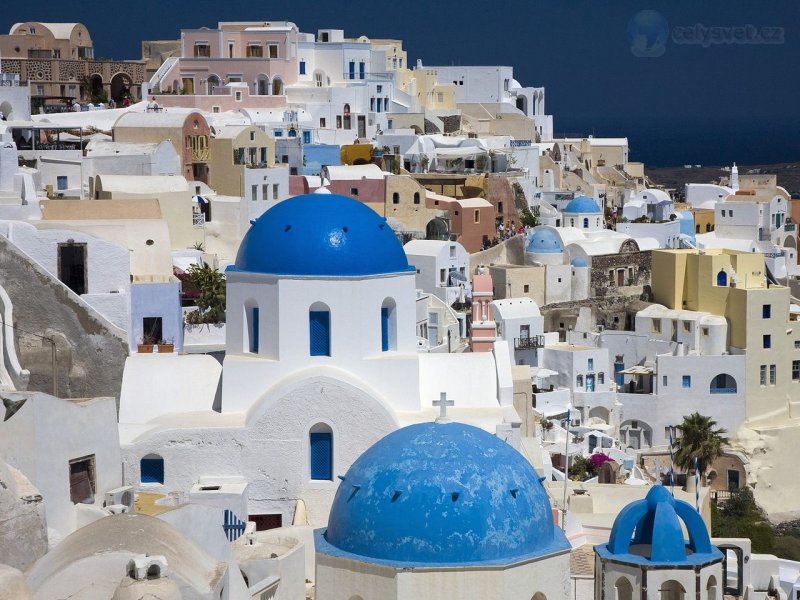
[[120, 86], [277, 87], [95, 88], [262, 85], [212, 82], [671, 590]]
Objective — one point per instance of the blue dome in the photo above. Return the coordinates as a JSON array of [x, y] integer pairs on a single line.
[[321, 235], [649, 531], [441, 493], [579, 262], [582, 204], [544, 241]]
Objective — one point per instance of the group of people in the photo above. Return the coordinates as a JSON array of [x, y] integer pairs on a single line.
[[505, 230]]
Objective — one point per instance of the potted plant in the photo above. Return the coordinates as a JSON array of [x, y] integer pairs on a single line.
[[145, 346], [166, 346]]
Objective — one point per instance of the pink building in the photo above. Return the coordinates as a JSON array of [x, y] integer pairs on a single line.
[[366, 183], [261, 55]]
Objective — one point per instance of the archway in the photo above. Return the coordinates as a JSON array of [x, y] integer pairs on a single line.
[[723, 384], [262, 85], [212, 82], [790, 242], [711, 588], [277, 87], [120, 86], [95, 87], [635, 434], [7, 110], [624, 589], [722, 279], [672, 590], [600, 412], [437, 229]]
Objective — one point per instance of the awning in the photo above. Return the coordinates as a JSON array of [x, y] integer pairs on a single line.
[[637, 370]]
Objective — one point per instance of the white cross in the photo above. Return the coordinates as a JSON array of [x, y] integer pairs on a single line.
[[443, 403]]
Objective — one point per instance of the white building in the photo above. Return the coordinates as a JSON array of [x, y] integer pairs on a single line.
[[441, 269]]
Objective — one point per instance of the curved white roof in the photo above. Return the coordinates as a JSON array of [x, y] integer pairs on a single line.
[[143, 183], [516, 308], [60, 31]]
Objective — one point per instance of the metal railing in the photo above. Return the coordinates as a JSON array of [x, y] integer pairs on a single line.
[[727, 390], [723, 495], [198, 220], [529, 343]]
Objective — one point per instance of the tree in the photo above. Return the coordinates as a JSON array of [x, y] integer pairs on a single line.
[[699, 439], [528, 218], [211, 299]]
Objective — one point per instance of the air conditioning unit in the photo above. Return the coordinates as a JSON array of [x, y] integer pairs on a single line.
[[122, 495]]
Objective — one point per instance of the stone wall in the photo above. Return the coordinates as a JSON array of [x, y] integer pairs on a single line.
[[641, 262], [90, 351]]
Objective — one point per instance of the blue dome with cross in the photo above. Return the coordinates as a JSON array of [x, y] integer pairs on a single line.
[[441, 494], [582, 204], [649, 532], [324, 235]]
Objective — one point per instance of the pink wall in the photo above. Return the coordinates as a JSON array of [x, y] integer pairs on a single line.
[[369, 190]]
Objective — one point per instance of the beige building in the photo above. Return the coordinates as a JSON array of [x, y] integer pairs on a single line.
[[58, 61], [734, 285], [515, 281], [405, 202], [234, 150]]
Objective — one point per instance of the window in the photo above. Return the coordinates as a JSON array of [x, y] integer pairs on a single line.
[[62, 182], [722, 279], [773, 375], [477, 216], [766, 311], [579, 381], [320, 440], [796, 370], [611, 276], [362, 69], [452, 251], [379, 89], [354, 191], [252, 326], [440, 97], [655, 325], [273, 51], [586, 223], [254, 51], [318, 79], [302, 67], [601, 378], [322, 122], [687, 381], [151, 469], [723, 212], [152, 329], [664, 380], [254, 193], [763, 377], [275, 191], [264, 522], [264, 190], [72, 266], [590, 366], [526, 288], [352, 69], [704, 331], [388, 325], [202, 50], [319, 325], [687, 326], [277, 133], [767, 341], [442, 276], [306, 137], [416, 199], [82, 480], [338, 121], [395, 198]]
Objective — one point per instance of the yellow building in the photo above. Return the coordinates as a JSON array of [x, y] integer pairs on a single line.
[[734, 285], [232, 151], [356, 154]]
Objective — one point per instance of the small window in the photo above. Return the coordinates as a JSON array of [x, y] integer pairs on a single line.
[[151, 469], [320, 332], [687, 381], [796, 370], [302, 67], [354, 191], [82, 483], [442, 276], [704, 331], [601, 378], [773, 375], [416, 199], [395, 198], [322, 122], [579, 381], [767, 341], [664, 380], [766, 311], [477, 216], [687, 326], [655, 325], [452, 251], [321, 452], [590, 365], [273, 51], [763, 373], [526, 288], [275, 191]]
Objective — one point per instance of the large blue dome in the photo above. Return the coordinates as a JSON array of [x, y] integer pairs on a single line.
[[544, 241], [582, 204], [321, 235], [441, 493], [649, 531]]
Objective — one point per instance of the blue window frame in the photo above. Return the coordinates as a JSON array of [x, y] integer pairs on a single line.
[[687, 381], [766, 311], [321, 461], [352, 71], [590, 365], [278, 133], [152, 469], [767, 341], [306, 137], [302, 67], [319, 322], [385, 329], [722, 279], [361, 70]]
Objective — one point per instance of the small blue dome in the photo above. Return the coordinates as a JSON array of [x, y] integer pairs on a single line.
[[441, 493], [321, 235], [578, 261], [582, 204], [648, 531], [544, 241]]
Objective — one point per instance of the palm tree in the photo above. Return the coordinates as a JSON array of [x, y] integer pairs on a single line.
[[699, 439]]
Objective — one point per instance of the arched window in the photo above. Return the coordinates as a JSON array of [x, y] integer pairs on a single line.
[[708, 227], [697, 228], [623, 589], [395, 198], [252, 326], [723, 384], [292, 133], [319, 326], [320, 441], [388, 325], [672, 590], [586, 223], [711, 588], [277, 87], [416, 197], [151, 469], [722, 279], [346, 110]]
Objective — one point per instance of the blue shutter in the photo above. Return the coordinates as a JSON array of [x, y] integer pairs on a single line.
[[352, 69], [384, 329], [152, 470], [319, 324], [306, 137], [361, 71], [302, 67], [321, 455], [254, 344]]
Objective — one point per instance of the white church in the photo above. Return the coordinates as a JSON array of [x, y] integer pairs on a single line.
[[321, 361]]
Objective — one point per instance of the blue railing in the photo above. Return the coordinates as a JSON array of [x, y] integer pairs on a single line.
[[728, 390]]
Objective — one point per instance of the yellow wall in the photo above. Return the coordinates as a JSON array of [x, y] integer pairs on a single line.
[[356, 152]]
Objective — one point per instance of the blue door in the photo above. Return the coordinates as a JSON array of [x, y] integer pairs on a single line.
[[385, 329], [361, 70], [320, 331]]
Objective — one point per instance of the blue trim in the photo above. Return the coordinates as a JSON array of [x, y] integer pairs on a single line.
[[321, 459], [254, 339], [232, 525], [384, 329]]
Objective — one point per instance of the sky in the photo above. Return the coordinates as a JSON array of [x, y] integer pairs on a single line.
[[708, 82]]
